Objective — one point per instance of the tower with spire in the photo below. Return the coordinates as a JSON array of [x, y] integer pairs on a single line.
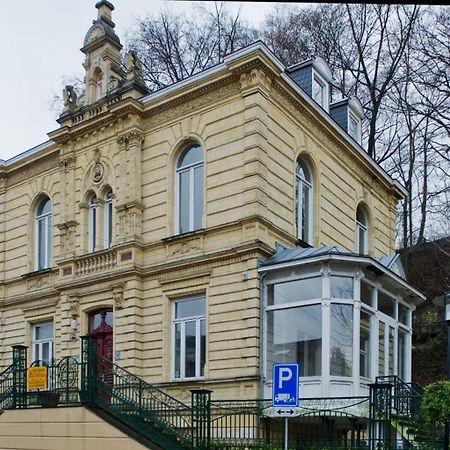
[[107, 74]]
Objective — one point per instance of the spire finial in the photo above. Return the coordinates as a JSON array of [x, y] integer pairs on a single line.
[[104, 9]]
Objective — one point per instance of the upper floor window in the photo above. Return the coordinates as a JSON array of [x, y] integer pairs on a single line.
[[354, 129], [303, 202], [189, 189], [43, 234], [108, 219], [319, 91], [92, 223], [362, 234]]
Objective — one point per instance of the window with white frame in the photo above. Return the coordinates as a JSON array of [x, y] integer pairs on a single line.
[[189, 338], [354, 127], [365, 345], [43, 234], [303, 202], [362, 233], [98, 85], [92, 224], [319, 91], [341, 340], [42, 342], [189, 189], [108, 219]]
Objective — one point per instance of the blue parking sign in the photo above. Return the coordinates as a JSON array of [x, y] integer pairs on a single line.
[[285, 385]]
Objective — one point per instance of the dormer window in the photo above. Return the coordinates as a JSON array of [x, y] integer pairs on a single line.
[[319, 92], [354, 127]]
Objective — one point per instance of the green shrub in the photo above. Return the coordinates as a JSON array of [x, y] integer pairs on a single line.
[[435, 407]]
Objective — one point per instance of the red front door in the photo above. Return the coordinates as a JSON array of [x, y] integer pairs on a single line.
[[101, 326]]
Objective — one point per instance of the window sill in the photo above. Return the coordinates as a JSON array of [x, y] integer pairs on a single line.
[[37, 273], [181, 236]]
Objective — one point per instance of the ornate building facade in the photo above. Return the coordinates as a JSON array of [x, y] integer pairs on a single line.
[[207, 230]]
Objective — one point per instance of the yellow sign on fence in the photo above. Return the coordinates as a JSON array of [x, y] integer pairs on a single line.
[[37, 378]]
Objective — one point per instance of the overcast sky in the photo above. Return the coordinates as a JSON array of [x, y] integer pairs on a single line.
[[41, 41]]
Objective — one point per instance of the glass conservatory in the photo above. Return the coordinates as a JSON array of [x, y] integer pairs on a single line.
[[345, 318]]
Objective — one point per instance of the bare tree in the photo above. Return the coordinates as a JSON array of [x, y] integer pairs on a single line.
[[173, 46]]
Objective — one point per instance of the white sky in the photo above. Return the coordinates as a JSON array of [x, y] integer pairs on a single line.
[[41, 41]]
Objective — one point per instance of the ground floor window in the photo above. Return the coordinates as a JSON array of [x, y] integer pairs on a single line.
[[189, 337], [341, 340], [42, 342]]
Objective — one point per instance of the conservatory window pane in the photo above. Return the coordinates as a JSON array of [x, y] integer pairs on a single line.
[[294, 291], [403, 314], [341, 345], [391, 350], [402, 346], [364, 345], [366, 293], [386, 304], [295, 336], [381, 350], [341, 287]]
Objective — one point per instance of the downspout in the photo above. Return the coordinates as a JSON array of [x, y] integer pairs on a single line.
[[262, 330]]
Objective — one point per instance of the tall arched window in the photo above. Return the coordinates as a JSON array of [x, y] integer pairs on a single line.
[[108, 219], [189, 189], [303, 202], [92, 223], [362, 234], [43, 234]]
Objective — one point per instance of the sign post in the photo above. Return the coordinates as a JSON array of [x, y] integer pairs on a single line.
[[285, 392]]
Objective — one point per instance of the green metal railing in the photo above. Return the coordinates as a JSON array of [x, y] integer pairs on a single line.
[[155, 414], [389, 419]]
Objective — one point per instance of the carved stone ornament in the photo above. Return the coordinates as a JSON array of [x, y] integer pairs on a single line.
[[254, 77], [97, 172], [74, 303], [94, 33], [118, 296]]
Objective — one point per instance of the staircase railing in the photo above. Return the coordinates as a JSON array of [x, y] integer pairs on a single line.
[[7, 388], [158, 416], [406, 397]]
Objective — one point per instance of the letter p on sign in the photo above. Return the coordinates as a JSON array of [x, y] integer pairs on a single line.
[[285, 375]]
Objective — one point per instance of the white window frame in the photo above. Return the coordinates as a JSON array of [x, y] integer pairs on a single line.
[[190, 168], [301, 184], [357, 121], [108, 220], [362, 228], [40, 342], [92, 223], [198, 319], [46, 219], [317, 80]]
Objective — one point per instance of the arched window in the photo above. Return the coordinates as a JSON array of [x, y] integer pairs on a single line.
[[189, 189], [43, 234], [362, 234], [108, 219], [92, 223], [303, 202], [98, 86]]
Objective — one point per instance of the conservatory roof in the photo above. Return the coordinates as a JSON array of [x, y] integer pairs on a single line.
[[384, 265]]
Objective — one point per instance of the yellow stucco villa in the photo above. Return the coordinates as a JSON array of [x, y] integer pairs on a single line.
[[204, 232]]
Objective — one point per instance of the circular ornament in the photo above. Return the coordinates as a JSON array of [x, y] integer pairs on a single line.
[[98, 172]]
